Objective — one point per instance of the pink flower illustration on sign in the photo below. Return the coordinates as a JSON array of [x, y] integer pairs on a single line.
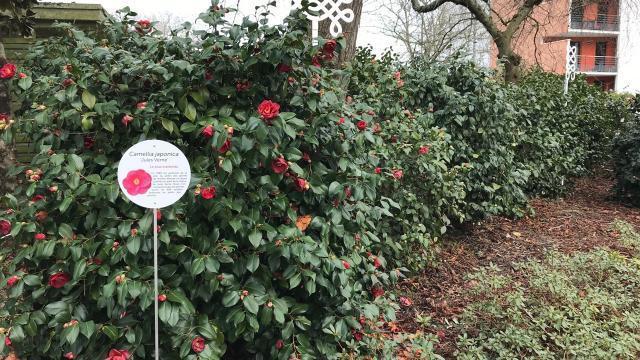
[[137, 182]]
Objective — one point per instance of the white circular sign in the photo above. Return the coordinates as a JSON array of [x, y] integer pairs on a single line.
[[154, 174]]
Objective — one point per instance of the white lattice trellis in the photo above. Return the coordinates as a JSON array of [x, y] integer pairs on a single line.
[[327, 9], [571, 67]]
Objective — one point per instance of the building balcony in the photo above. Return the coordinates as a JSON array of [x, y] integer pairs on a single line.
[[603, 22], [597, 64]]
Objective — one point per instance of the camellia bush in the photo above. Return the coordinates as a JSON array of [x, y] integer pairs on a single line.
[[496, 144], [273, 251]]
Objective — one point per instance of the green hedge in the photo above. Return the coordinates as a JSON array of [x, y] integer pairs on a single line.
[[497, 146], [626, 155]]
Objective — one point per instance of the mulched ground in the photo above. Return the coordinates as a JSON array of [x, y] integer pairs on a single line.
[[579, 222]]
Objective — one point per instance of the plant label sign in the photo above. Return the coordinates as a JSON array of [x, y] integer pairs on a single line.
[[154, 174]]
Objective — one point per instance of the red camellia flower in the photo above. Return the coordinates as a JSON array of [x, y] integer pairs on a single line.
[[301, 184], [361, 125], [158, 215], [67, 82], [208, 131], [225, 147], [141, 105], [357, 335], [12, 281], [377, 292], [208, 193], [243, 85], [406, 302], [284, 68], [279, 165], [397, 174], [118, 355], [7, 71], [59, 280], [7, 341], [5, 227], [69, 355], [88, 142], [279, 344], [126, 120], [423, 150], [329, 48], [137, 182], [378, 170], [22, 75], [40, 236], [315, 61], [268, 110], [346, 265], [197, 345], [341, 121], [376, 263], [144, 23], [37, 198]]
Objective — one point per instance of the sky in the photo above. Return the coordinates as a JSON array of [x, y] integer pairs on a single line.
[[188, 10]]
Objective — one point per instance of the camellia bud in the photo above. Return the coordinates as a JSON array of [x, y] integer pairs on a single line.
[[162, 297], [53, 188], [120, 278]]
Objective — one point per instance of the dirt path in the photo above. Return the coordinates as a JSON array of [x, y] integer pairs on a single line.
[[579, 222]]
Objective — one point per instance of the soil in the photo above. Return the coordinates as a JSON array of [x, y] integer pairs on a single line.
[[581, 221]]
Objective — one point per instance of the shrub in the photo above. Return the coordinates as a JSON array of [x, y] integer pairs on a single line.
[[429, 190], [269, 254], [464, 119], [626, 155], [563, 137], [495, 144]]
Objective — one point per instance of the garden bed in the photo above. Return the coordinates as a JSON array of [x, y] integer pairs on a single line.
[[580, 222]]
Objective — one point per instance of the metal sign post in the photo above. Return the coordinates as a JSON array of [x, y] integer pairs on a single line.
[[154, 174]]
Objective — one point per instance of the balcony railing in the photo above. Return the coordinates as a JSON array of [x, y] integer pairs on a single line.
[[601, 64], [603, 22]]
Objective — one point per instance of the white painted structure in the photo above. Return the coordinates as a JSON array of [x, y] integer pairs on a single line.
[[628, 76]]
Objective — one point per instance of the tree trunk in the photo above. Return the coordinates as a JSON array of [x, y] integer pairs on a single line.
[[510, 60], [349, 31]]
